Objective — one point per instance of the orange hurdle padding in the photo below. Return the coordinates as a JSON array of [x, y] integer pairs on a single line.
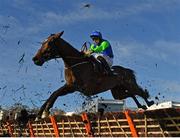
[[10, 129], [87, 124], [55, 127], [30, 129], [131, 124]]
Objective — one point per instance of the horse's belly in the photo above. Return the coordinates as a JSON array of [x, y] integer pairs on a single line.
[[99, 85]]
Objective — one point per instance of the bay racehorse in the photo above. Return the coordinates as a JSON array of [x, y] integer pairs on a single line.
[[80, 75]]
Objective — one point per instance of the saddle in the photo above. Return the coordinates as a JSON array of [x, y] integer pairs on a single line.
[[100, 65]]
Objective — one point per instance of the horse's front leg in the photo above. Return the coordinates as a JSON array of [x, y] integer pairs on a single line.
[[50, 101], [138, 104]]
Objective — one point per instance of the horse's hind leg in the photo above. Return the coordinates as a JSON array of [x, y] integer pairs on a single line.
[[149, 103], [119, 93], [135, 89], [123, 93], [145, 95], [129, 88], [138, 104]]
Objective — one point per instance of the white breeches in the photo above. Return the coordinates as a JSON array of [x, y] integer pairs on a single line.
[[107, 58]]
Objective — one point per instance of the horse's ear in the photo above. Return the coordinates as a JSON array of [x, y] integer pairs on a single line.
[[60, 34]]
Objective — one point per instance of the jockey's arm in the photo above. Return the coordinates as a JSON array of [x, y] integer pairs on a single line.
[[102, 47]]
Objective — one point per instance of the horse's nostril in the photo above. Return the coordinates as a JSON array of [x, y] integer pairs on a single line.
[[34, 58], [37, 61]]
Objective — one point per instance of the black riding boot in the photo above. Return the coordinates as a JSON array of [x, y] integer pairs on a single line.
[[105, 65]]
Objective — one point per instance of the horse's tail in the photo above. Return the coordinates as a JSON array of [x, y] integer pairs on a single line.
[[142, 92], [124, 73]]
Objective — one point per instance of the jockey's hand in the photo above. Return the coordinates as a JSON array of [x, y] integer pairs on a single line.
[[88, 53]]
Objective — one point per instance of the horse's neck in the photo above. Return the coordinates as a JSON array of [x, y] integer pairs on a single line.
[[69, 54], [68, 50]]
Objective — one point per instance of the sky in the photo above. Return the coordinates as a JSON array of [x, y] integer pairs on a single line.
[[145, 36]]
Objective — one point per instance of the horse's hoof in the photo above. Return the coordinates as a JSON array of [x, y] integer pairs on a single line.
[[144, 107], [45, 114], [150, 103]]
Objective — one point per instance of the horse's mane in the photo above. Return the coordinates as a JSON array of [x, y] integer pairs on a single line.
[[70, 49]]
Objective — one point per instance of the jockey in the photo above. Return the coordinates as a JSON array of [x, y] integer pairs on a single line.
[[102, 49]]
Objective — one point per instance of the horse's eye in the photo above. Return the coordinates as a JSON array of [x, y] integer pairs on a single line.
[[51, 43]]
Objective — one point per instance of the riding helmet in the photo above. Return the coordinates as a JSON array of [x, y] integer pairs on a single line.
[[96, 34]]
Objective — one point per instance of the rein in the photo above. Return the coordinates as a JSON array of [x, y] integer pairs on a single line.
[[73, 57], [77, 64], [68, 57]]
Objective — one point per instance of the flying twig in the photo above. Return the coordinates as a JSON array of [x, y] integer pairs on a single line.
[[4, 87], [22, 87], [39, 42], [32, 102], [156, 65], [22, 58], [21, 61], [87, 5], [19, 42]]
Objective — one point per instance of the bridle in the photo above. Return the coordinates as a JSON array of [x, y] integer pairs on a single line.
[[54, 48], [54, 53]]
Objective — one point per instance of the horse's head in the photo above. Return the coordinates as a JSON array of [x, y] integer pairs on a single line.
[[48, 50]]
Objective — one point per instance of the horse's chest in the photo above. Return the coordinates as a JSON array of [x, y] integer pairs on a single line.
[[69, 77]]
